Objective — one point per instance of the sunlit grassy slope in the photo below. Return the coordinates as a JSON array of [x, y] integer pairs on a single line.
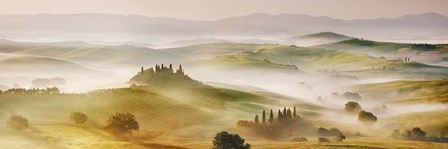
[[419, 94], [433, 122], [280, 54], [356, 143], [425, 53], [199, 111], [241, 61], [312, 59], [424, 91], [205, 51], [62, 135], [369, 45], [270, 56]]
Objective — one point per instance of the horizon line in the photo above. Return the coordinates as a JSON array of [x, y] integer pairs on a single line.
[[255, 13]]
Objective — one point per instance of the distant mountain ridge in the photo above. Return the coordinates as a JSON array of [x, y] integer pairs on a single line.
[[151, 29]]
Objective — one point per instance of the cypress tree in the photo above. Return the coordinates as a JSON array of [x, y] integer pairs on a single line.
[[151, 71], [263, 120], [295, 113], [271, 117], [284, 113], [141, 70], [279, 117], [180, 71], [288, 114], [256, 119]]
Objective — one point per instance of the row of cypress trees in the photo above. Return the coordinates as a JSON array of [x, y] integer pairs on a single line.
[[287, 114]]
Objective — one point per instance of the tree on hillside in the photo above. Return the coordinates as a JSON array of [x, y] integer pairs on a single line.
[[322, 131], [289, 113], [352, 96], [263, 120], [320, 139], [271, 117], [122, 125], [331, 132], [279, 116], [225, 140], [295, 113], [256, 119], [339, 138], [396, 134], [367, 117], [17, 123], [352, 107], [334, 132], [285, 116], [416, 134], [78, 118]]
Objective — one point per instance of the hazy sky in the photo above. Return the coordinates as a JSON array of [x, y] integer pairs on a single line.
[[215, 9]]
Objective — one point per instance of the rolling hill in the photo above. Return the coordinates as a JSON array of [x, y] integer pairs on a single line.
[[315, 59], [314, 39], [174, 106], [241, 61], [424, 91], [106, 57], [35, 65], [376, 46], [206, 51], [425, 53], [307, 58]]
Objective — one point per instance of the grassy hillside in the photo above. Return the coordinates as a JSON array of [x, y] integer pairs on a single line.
[[205, 51], [242, 61], [369, 45], [313, 59], [315, 39], [157, 113], [281, 54], [17, 64], [177, 112], [425, 53], [55, 136], [269, 56], [360, 44], [425, 91], [169, 108], [433, 121], [123, 56]]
